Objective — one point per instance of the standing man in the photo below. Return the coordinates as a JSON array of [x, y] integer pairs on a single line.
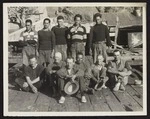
[[118, 70], [70, 73], [98, 34], [28, 39], [33, 76], [46, 43], [77, 36], [60, 32], [52, 70]]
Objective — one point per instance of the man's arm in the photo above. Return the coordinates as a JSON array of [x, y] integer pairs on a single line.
[[53, 40], [127, 70], [90, 37], [108, 41], [84, 34], [112, 70], [36, 80]]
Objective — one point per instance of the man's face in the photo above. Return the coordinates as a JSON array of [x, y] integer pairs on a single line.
[[57, 58], [33, 62], [117, 55], [100, 59], [60, 22], [70, 63], [46, 24], [77, 20], [79, 59], [98, 20], [28, 26]]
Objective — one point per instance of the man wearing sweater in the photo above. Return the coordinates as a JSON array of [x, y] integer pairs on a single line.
[[98, 34], [46, 43], [28, 39], [77, 36], [60, 32]]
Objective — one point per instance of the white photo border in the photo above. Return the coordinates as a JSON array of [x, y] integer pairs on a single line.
[[5, 59]]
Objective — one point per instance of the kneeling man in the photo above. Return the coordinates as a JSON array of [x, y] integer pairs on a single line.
[[70, 73], [118, 70], [33, 76]]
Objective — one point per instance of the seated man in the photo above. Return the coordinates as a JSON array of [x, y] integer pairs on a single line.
[[97, 74], [118, 71], [52, 69], [33, 76], [70, 73]]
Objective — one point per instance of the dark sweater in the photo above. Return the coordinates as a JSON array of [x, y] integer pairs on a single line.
[[60, 34], [46, 40], [99, 32]]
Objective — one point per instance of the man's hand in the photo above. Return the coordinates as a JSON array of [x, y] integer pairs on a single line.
[[122, 74], [25, 85], [34, 89], [73, 78]]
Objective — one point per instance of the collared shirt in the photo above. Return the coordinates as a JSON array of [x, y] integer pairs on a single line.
[[60, 34], [119, 66], [29, 37], [77, 33], [99, 33]]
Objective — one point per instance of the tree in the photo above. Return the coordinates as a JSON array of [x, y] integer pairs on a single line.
[[17, 15]]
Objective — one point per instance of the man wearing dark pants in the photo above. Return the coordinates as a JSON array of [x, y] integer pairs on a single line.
[[98, 34], [28, 39], [51, 71], [77, 36], [33, 76], [46, 43], [70, 73], [119, 71], [60, 32]]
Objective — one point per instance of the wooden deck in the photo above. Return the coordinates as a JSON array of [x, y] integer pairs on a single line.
[[104, 100]]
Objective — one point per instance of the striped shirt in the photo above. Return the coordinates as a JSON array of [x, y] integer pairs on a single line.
[[77, 33], [29, 37]]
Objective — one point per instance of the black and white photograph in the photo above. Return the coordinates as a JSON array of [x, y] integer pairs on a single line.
[[74, 59]]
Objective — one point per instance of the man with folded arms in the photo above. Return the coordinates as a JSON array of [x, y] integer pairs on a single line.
[[28, 39], [77, 36], [52, 70], [97, 75], [60, 32], [33, 76], [70, 73], [119, 71]]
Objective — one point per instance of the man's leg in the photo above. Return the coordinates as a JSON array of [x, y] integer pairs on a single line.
[[25, 57], [61, 84], [104, 53], [95, 52], [41, 57], [21, 83], [81, 48], [48, 56], [64, 52], [73, 51]]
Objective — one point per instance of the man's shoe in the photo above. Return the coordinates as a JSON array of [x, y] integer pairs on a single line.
[[62, 100], [122, 87], [91, 90], [83, 99], [116, 88]]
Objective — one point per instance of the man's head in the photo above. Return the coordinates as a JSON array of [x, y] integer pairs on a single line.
[[60, 20], [57, 57], [77, 19], [46, 23], [100, 59], [28, 24], [117, 55], [33, 60], [79, 58], [69, 62], [98, 18]]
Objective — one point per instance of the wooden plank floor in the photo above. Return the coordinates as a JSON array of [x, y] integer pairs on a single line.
[[104, 100]]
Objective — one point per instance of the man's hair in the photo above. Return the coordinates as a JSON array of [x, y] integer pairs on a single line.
[[58, 54], [79, 53], [32, 56], [99, 55], [97, 15], [70, 58], [60, 17], [77, 15], [116, 51], [29, 21], [47, 19]]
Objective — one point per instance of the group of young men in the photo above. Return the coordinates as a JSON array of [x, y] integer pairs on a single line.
[[58, 56]]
